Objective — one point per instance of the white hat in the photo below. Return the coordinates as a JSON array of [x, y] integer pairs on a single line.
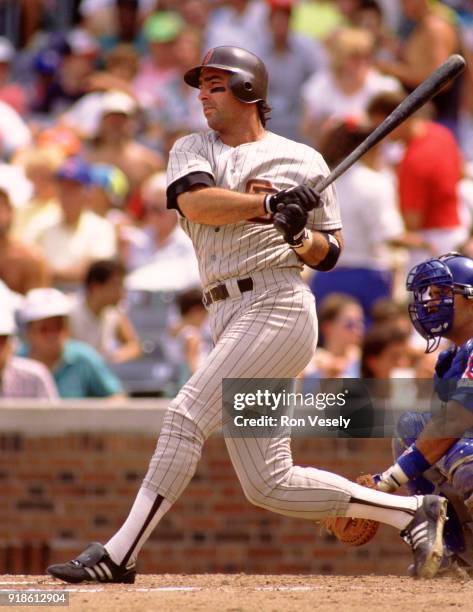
[[43, 304], [7, 50], [82, 43], [118, 102], [7, 322]]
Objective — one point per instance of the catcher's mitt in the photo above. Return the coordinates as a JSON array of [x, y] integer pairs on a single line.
[[354, 531]]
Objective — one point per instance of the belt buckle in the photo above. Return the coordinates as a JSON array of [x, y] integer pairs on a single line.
[[214, 294]]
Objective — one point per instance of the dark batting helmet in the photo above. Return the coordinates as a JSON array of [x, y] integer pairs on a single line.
[[249, 80]]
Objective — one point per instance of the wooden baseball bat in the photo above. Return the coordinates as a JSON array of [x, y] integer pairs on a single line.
[[421, 94]]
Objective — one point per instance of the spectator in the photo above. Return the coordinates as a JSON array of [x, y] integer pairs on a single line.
[[20, 377], [79, 371], [65, 77], [385, 349], [428, 182], [85, 115], [120, 70], [431, 41], [369, 16], [11, 92], [239, 22], [190, 333], [159, 67], [195, 13], [40, 165], [15, 133], [317, 18], [347, 87], [161, 237], [96, 318], [126, 27], [77, 236], [22, 267], [388, 312], [176, 107], [290, 59], [371, 220], [341, 327], [108, 192], [114, 142]]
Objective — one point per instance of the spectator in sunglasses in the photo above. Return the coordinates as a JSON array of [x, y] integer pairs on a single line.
[[78, 370], [341, 325]]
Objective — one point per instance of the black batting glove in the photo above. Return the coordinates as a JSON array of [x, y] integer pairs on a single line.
[[303, 195], [290, 221]]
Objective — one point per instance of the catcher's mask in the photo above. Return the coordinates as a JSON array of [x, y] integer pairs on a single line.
[[434, 284]]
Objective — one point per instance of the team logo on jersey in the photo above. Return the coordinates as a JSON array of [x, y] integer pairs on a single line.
[[208, 57], [468, 373], [260, 186]]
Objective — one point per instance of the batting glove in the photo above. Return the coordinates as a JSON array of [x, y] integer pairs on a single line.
[[303, 195], [290, 221]]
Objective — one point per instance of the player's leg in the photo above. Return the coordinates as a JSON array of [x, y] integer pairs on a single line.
[[270, 480], [190, 419]]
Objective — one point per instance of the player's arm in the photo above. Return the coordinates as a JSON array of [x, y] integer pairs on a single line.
[[217, 206], [322, 249], [440, 433]]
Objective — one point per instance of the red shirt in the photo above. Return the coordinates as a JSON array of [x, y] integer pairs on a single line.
[[428, 178]]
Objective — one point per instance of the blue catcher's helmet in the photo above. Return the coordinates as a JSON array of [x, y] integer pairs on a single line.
[[432, 310]]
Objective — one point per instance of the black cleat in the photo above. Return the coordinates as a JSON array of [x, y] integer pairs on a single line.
[[93, 565], [424, 534]]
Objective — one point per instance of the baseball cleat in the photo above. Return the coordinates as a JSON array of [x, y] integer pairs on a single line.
[[92, 565], [424, 534]]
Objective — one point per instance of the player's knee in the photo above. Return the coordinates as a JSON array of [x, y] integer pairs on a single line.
[[462, 481]]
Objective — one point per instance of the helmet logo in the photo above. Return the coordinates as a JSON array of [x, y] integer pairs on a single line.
[[208, 57]]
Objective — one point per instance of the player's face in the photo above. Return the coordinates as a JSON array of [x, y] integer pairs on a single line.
[[221, 108]]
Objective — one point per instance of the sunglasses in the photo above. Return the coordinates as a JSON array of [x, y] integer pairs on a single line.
[[352, 324]]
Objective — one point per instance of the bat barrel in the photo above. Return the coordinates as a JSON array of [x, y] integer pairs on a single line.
[[432, 85]]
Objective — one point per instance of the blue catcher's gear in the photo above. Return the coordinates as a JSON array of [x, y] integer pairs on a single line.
[[434, 284]]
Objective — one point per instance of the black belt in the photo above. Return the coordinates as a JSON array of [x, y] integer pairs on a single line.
[[220, 292]]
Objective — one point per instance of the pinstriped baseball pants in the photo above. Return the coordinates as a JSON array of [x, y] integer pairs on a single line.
[[270, 332]]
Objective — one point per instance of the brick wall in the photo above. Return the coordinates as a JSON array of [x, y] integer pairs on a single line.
[[59, 492]]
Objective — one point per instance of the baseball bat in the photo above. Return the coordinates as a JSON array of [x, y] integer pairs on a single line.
[[445, 73]]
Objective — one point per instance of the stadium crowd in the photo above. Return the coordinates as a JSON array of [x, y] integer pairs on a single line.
[[99, 286]]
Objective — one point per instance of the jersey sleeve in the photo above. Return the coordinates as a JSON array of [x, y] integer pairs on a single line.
[[188, 166], [327, 216]]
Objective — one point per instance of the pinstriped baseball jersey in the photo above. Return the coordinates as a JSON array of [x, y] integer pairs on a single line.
[[264, 166]]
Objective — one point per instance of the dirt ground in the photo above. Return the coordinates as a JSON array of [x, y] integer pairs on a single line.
[[242, 593]]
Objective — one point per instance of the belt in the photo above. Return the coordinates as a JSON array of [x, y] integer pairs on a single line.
[[220, 292]]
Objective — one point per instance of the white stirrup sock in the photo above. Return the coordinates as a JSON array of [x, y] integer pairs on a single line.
[[146, 512], [394, 510]]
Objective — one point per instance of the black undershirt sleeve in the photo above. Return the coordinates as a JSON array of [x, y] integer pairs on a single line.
[[185, 183]]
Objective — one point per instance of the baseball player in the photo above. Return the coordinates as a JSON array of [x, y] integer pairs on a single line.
[[242, 196], [428, 461]]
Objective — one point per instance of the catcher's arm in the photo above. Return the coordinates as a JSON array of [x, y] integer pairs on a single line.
[[419, 457]]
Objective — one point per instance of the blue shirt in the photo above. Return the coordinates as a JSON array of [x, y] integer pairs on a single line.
[[81, 372]]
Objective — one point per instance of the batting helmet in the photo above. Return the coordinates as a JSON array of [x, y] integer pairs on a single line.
[[249, 80], [433, 316]]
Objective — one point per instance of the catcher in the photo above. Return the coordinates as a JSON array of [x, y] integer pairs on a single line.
[[435, 452]]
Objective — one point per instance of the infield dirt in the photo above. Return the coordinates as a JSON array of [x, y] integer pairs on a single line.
[[242, 593]]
